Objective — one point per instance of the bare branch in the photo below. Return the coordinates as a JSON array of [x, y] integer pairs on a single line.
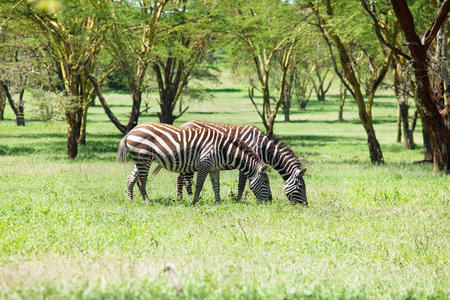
[[333, 60], [182, 112], [11, 101], [144, 110], [250, 95], [105, 106], [378, 32]]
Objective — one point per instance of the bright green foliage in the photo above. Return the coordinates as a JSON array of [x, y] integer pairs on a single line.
[[66, 230]]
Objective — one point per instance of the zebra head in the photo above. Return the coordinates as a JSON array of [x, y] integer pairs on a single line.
[[295, 188], [259, 184]]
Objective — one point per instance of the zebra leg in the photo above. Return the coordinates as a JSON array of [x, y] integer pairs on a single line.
[[188, 183], [203, 170], [142, 178], [180, 181], [241, 186], [215, 180], [131, 180]]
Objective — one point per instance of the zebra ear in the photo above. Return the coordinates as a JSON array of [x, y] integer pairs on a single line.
[[302, 172], [264, 169]]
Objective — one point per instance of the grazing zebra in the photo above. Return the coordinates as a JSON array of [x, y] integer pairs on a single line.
[[189, 150], [281, 157]]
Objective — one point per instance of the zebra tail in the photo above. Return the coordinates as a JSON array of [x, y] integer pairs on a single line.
[[123, 150], [156, 170]]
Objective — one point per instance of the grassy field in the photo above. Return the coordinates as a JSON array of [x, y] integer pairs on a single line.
[[67, 231]]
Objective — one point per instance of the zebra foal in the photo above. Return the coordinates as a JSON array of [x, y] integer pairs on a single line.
[[189, 150], [272, 152]]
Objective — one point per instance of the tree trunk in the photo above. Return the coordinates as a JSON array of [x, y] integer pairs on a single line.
[[401, 88], [269, 132], [2, 105], [172, 79], [342, 96], [92, 101], [376, 156], [73, 120], [438, 132], [135, 110], [427, 147], [432, 120], [303, 104], [82, 138], [320, 88], [408, 140], [321, 94], [20, 117], [399, 124], [443, 71], [286, 110], [18, 108], [166, 114]]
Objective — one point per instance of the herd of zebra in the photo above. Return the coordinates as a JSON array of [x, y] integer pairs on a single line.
[[207, 148]]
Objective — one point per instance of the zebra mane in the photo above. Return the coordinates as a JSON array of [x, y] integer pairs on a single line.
[[246, 148], [285, 149]]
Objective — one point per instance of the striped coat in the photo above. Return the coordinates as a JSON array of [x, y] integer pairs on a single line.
[[189, 150], [281, 157]]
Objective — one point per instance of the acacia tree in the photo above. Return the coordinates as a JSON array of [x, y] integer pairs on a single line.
[[71, 34], [16, 64], [433, 116], [322, 75], [321, 86], [264, 31], [178, 53], [302, 70], [402, 91], [433, 111], [133, 27], [350, 52], [400, 70]]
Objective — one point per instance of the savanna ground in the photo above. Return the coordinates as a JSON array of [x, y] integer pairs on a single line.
[[67, 231]]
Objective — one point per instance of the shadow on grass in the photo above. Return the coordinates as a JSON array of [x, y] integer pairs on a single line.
[[224, 90], [210, 113], [352, 121], [320, 138], [16, 150], [95, 149], [34, 136], [104, 146]]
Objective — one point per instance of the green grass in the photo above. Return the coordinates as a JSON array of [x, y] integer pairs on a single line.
[[66, 230]]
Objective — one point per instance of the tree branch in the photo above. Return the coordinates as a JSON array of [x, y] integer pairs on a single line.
[[250, 95], [431, 33], [181, 113], [333, 60], [378, 32], [105, 106], [10, 99]]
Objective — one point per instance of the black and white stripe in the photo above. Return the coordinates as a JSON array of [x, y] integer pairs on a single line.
[[272, 152], [189, 150]]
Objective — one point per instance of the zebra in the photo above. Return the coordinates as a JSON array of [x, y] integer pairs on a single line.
[[271, 151], [189, 150]]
